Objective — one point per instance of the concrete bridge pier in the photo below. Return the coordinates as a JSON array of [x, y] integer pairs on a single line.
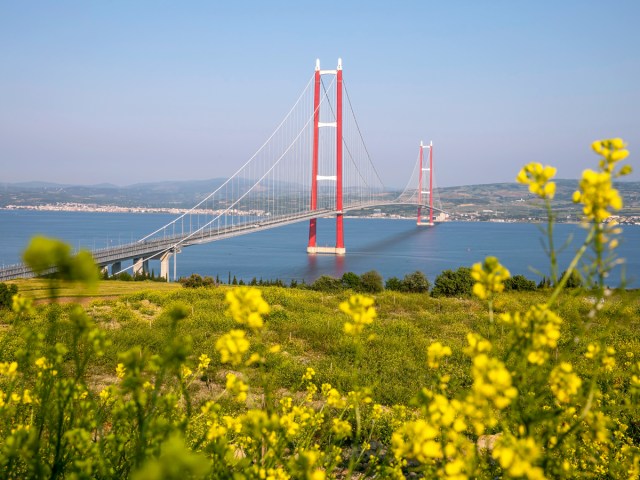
[[164, 264], [116, 267], [140, 265], [164, 258]]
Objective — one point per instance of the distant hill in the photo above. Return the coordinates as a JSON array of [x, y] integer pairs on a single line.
[[513, 200], [484, 202]]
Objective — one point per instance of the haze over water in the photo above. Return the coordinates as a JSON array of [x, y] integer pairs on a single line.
[[392, 247]]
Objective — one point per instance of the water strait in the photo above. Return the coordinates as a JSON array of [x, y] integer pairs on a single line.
[[393, 247]]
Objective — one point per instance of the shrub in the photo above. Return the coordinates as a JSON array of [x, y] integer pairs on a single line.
[[351, 280], [415, 282], [453, 283], [326, 283], [574, 280], [371, 282], [519, 283], [196, 281], [393, 283], [7, 291]]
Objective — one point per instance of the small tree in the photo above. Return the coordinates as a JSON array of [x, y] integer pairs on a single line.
[[452, 283], [519, 283], [393, 283], [415, 282], [574, 280], [326, 283], [351, 280], [371, 282], [7, 291]]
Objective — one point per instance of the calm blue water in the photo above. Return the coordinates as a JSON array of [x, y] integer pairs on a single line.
[[392, 247]]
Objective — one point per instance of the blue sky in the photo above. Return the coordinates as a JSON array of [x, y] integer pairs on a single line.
[[127, 92]]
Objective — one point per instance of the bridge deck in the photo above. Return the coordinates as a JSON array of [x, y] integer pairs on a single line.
[[154, 248]]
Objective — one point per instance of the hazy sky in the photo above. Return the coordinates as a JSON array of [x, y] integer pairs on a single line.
[[132, 91]]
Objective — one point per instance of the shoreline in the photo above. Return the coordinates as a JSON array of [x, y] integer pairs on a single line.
[[94, 208]]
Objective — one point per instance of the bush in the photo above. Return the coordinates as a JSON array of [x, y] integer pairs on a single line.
[[519, 283], [415, 282], [196, 281], [325, 283], [371, 282], [393, 283], [6, 294], [452, 283], [351, 280], [574, 280]]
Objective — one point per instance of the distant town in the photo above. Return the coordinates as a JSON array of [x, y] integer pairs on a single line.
[[484, 215], [501, 202]]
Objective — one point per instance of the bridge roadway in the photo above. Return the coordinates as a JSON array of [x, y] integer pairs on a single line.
[[161, 248], [155, 248]]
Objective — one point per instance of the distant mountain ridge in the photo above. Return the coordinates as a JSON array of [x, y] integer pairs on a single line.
[[504, 199]]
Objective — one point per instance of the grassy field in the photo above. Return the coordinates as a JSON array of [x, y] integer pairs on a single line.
[[117, 412], [309, 327], [38, 289]]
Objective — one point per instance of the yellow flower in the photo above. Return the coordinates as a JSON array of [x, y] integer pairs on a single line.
[[9, 369], [492, 381], [361, 311], [277, 474], [318, 475], [489, 277], [309, 374], [21, 304], [539, 326], [613, 150], [435, 353], [517, 457], [26, 396], [564, 383], [237, 387], [341, 428], [593, 350], [416, 440], [597, 195], [537, 177], [246, 306], [334, 399], [203, 361], [185, 371], [105, 394], [477, 345], [120, 370], [608, 359], [232, 346]]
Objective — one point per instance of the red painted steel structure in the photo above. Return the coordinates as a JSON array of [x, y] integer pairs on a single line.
[[431, 183], [420, 183], [312, 247], [314, 165], [339, 219], [420, 186]]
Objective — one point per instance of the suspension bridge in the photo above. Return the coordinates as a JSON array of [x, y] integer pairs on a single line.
[[315, 164]]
